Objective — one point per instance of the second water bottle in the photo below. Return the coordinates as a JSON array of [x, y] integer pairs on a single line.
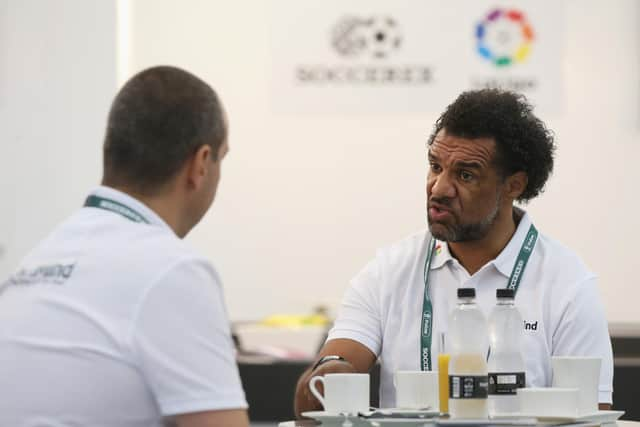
[[506, 364]]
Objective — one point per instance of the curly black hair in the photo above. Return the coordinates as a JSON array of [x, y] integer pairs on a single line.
[[523, 143]]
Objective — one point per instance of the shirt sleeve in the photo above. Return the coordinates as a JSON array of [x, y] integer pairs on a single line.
[[359, 317], [182, 341], [583, 331]]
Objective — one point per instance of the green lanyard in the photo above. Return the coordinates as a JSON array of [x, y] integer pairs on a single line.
[[427, 308], [113, 206]]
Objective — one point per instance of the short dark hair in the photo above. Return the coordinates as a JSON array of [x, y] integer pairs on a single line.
[[523, 143], [159, 118]]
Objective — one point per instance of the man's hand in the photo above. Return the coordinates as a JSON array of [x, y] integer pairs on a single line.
[[221, 418], [358, 359]]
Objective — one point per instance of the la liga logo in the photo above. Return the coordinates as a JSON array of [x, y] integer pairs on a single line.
[[504, 37]]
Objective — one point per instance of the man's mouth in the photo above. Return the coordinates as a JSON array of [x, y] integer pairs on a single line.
[[438, 212]]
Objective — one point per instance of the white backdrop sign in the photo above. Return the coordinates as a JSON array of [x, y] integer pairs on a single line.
[[368, 56]]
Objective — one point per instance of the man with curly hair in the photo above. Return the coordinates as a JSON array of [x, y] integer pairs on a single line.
[[487, 151]]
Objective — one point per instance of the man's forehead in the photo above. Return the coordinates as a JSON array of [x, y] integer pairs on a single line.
[[457, 148]]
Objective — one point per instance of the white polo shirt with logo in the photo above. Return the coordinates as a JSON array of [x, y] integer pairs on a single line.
[[557, 297], [112, 322]]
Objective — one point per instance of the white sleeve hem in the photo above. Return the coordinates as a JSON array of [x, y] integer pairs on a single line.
[[372, 345], [208, 404]]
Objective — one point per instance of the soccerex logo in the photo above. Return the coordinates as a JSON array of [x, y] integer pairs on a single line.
[[369, 46], [504, 37], [377, 36]]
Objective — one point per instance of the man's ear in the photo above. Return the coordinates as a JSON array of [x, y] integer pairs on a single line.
[[198, 167], [516, 184]]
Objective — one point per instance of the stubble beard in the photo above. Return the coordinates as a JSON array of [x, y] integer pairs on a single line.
[[467, 232]]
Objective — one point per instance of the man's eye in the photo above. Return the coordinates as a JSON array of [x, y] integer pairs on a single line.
[[435, 167], [466, 176]]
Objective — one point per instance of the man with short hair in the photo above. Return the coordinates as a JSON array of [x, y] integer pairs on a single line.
[[112, 320], [487, 151]]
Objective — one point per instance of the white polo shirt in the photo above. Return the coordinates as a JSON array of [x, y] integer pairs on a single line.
[[558, 299], [111, 322]]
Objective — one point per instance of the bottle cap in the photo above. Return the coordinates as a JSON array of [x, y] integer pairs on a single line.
[[505, 293], [466, 293]]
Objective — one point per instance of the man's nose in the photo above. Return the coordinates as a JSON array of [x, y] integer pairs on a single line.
[[443, 186]]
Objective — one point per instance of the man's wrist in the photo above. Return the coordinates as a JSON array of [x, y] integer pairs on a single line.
[[325, 359]]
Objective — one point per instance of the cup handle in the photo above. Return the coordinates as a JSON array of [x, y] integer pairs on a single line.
[[314, 390]]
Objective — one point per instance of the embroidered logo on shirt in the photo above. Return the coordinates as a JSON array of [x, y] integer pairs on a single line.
[[438, 249]]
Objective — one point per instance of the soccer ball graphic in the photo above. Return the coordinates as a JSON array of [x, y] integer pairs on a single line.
[[379, 36], [383, 36], [347, 36]]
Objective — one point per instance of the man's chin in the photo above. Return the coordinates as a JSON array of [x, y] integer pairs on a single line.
[[439, 231]]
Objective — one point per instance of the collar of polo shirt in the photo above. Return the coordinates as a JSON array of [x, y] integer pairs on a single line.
[[132, 203], [504, 262]]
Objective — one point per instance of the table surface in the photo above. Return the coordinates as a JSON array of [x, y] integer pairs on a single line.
[[311, 423]]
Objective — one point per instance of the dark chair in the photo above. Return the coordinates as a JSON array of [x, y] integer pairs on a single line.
[[626, 376]]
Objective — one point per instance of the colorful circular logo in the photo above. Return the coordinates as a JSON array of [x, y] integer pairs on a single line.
[[504, 37]]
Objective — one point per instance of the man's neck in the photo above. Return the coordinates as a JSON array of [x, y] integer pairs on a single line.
[[473, 255], [163, 205]]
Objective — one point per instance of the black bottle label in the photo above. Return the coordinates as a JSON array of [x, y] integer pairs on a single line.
[[468, 386], [505, 383]]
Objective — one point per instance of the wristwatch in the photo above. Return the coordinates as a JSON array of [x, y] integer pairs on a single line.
[[325, 359]]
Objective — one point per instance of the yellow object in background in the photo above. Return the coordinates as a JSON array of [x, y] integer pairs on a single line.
[[287, 320], [443, 382], [319, 317]]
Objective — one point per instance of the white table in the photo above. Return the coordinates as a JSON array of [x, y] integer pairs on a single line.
[[308, 423]]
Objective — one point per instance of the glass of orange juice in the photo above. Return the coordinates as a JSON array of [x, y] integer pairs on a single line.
[[443, 375]]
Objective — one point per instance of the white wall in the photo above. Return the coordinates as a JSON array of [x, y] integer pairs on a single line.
[[305, 200], [592, 200], [57, 75]]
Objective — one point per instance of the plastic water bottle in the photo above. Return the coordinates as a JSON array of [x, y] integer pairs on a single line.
[[506, 364], [468, 344]]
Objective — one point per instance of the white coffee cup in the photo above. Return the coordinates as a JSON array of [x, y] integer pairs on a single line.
[[549, 402], [582, 373], [417, 389], [343, 393]]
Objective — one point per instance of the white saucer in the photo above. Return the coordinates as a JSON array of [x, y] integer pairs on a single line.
[[404, 413], [333, 419], [338, 420], [597, 417], [602, 416], [515, 420], [401, 422]]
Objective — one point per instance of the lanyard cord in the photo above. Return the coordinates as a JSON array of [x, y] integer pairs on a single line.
[[427, 307], [113, 206]]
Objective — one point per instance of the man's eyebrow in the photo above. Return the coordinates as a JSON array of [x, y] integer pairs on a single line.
[[469, 165], [432, 156]]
